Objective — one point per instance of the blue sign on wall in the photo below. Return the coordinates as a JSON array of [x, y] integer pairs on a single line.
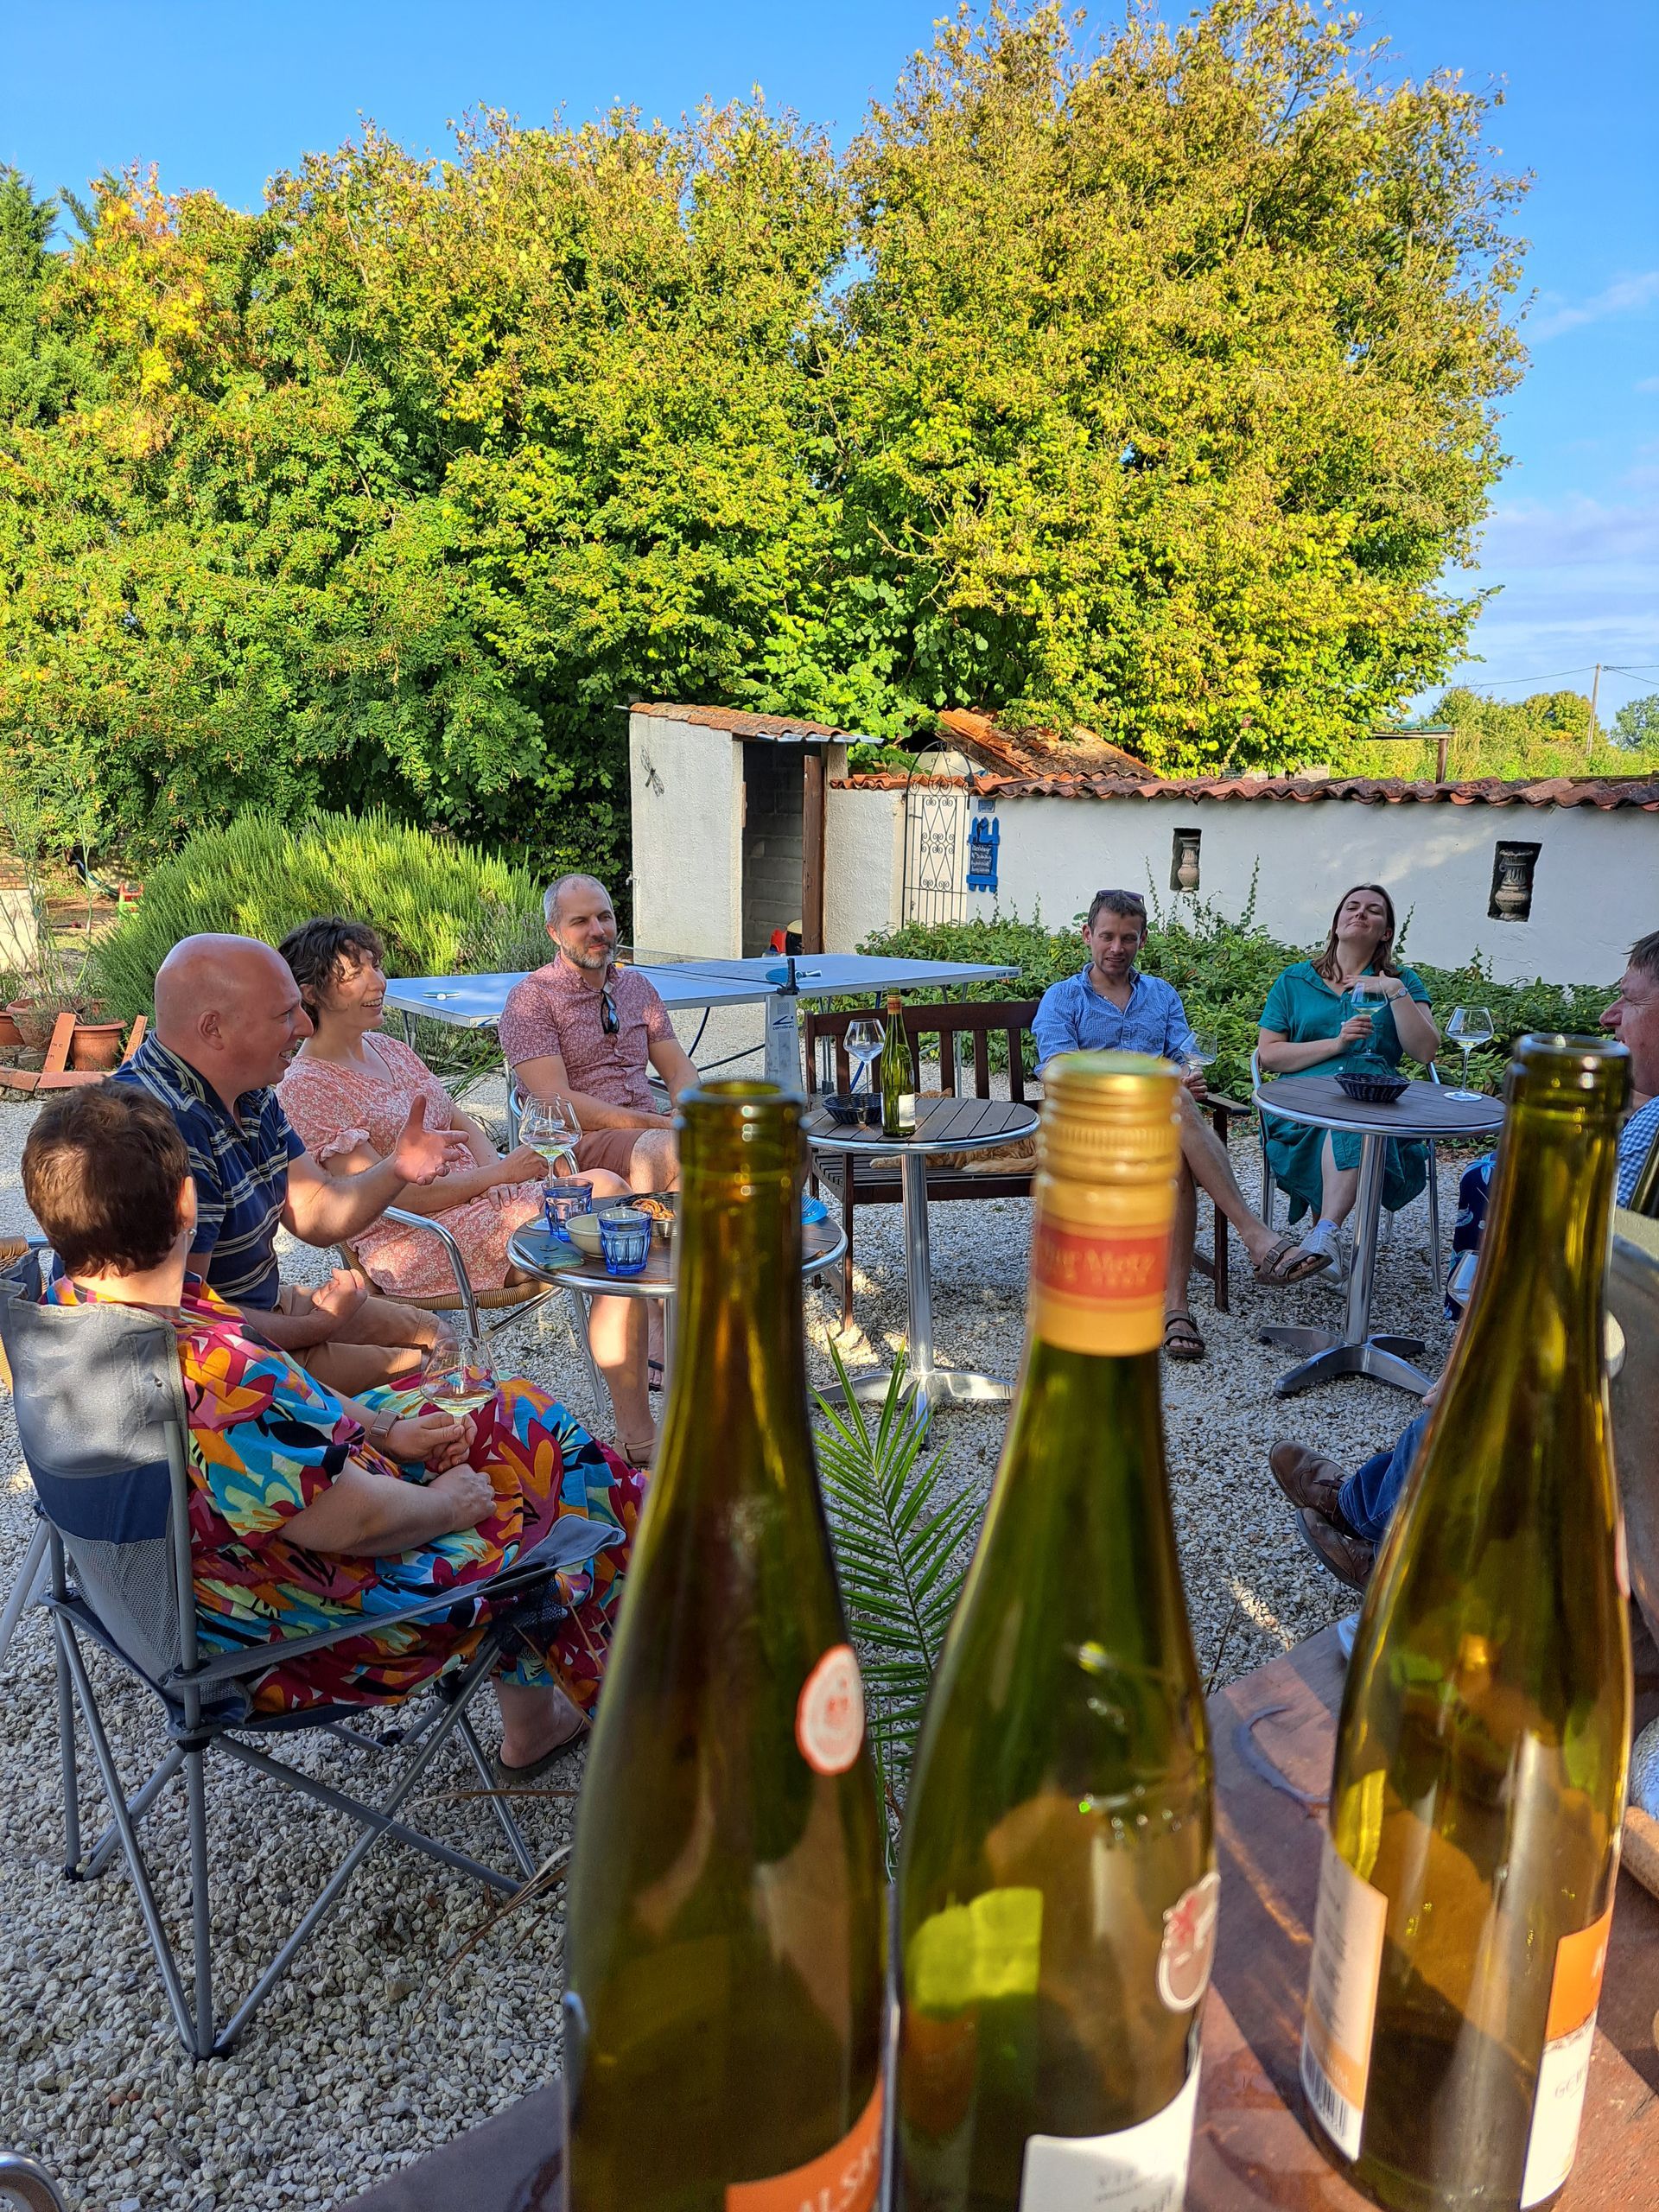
[[984, 834]]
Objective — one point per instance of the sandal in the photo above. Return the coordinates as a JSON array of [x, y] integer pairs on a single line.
[[1181, 1338], [1287, 1262], [637, 1455], [515, 1777]]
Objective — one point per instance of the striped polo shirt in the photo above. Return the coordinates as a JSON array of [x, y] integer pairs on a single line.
[[240, 1165]]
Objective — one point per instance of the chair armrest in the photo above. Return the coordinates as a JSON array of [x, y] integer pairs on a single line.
[[557, 1549], [1220, 1105]]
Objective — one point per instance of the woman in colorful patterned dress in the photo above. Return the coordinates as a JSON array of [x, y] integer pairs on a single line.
[[306, 1509], [348, 1091]]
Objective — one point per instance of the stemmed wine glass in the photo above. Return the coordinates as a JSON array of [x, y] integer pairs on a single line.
[[550, 1126], [467, 1385], [1470, 1026], [1365, 994], [1202, 1052], [864, 1039]]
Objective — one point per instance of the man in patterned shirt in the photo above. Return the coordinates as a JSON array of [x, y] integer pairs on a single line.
[[228, 1021], [584, 1029]]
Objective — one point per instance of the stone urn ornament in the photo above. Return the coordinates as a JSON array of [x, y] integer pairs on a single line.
[[1512, 895]]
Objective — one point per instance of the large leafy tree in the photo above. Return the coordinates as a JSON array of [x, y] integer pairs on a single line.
[[1172, 382], [1151, 387]]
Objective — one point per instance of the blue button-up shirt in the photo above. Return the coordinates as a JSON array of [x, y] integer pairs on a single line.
[[239, 1162], [1074, 1017]]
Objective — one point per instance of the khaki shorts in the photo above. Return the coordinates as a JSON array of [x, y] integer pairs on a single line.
[[609, 1148]]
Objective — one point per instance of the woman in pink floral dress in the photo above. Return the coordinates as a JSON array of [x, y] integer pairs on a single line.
[[348, 1092]]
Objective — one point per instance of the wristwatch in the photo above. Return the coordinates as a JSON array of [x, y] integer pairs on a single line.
[[379, 1429]]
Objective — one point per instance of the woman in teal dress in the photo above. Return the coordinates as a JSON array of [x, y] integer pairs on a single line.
[[1308, 1027]]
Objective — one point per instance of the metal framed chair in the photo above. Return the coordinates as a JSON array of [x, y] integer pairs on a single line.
[[100, 1410], [24, 2182], [515, 1301]]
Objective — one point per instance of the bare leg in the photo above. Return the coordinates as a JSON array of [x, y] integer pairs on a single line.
[[616, 1331], [534, 1721], [655, 1165], [1183, 1231], [1339, 1186], [1203, 1158]]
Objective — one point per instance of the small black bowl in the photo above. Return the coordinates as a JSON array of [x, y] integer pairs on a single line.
[[846, 1112], [1372, 1090]]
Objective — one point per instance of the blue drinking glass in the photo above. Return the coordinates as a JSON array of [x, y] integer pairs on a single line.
[[561, 1197], [625, 1240]]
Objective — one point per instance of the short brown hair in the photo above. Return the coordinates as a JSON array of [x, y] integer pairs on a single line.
[[1644, 954], [322, 953], [1129, 904], [102, 1169]]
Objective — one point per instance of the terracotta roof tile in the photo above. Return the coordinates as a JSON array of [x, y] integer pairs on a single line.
[[1605, 793], [740, 725]]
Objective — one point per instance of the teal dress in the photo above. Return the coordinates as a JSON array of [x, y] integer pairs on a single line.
[[1302, 1006]]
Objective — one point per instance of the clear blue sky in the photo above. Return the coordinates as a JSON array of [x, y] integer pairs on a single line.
[[220, 93]]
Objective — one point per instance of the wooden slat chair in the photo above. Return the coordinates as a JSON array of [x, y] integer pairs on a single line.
[[1003, 1172], [56, 1074]]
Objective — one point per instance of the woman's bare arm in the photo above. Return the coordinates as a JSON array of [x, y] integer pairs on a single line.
[[363, 1515], [453, 1188], [1279, 1056]]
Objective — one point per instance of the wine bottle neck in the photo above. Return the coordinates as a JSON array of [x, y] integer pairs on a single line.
[[739, 1355], [1545, 1246]]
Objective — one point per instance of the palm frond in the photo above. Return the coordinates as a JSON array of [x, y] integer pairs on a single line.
[[895, 1540]]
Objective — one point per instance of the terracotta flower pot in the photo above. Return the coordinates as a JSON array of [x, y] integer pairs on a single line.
[[34, 1022], [97, 1044], [10, 1033]]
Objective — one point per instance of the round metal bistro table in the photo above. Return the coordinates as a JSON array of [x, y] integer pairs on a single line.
[[948, 1125], [1423, 1109], [537, 1251]]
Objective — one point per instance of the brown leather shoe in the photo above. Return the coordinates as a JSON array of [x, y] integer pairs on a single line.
[[1349, 1558], [1308, 1478]]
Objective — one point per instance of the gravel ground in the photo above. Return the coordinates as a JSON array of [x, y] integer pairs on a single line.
[[391, 2035]]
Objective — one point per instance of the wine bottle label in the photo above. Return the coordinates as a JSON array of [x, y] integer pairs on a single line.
[[843, 2180], [829, 1713], [1098, 1288], [1569, 2032], [1348, 1925], [1189, 1946], [1141, 2169]]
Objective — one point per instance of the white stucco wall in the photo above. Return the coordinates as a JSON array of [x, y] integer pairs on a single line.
[[687, 792], [1595, 888], [864, 865]]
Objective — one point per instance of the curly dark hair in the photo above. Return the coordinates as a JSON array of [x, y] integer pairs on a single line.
[[102, 1171], [322, 952]]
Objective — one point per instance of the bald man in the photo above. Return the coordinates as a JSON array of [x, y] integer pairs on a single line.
[[228, 1021], [585, 1030]]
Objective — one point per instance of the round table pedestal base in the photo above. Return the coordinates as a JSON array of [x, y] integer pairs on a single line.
[[938, 1386], [1326, 1357]]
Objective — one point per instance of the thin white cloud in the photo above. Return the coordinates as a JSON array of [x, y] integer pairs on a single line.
[[1647, 383], [1624, 296]]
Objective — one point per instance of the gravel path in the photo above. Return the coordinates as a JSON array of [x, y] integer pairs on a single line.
[[386, 2040]]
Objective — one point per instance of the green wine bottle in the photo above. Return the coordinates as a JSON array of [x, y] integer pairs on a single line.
[[898, 1074], [1058, 1883], [1467, 1881], [726, 1935]]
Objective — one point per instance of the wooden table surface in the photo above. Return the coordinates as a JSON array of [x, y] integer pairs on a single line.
[[1422, 1109], [1252, 2152]]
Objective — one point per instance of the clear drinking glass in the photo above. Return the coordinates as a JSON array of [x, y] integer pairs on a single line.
[[468, 1385], [550, 1126], [1470, 1026], [1202, 1052], [864, 1039]]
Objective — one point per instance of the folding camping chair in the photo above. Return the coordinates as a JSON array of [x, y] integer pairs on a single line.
[[101, 1417]]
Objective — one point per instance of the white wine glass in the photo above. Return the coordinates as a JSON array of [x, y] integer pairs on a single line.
[[1203, 1051], [864, 1039], [1468, 1027], [550, 1127], [468, 1384]]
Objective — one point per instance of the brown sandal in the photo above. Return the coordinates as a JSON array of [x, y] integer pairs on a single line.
[[1287, 1262], [1181, 1338]]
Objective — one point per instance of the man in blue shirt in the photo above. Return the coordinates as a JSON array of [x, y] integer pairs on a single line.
[[1111, 1007]]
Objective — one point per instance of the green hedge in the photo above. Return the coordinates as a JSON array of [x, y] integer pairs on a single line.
[[1223, 970], [442, 908]]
